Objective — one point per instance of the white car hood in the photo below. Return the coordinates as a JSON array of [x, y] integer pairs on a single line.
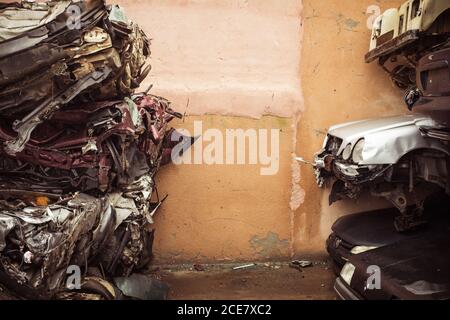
[[357, 129], [387, 140]]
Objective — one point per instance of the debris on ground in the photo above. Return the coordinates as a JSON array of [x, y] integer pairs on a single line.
[[221, 282], [199, 267], [142, 287], [300, 264], [245, 266]]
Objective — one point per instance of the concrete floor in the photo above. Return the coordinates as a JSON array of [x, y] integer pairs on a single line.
[[263, 282]]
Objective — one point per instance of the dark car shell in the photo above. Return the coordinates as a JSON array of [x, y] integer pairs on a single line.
[[413, 269], [376, 229], [371, 229], [433, 81]]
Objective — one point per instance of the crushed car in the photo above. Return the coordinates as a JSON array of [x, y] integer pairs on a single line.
[[50, 58], [392, 157], [413, 269], [398, 253], [365, 231], [96, 147], [86, 197], [432, 93], [37, 244], [79, 152], [401, 36]]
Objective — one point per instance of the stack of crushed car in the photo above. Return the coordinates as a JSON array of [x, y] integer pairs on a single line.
[[79, 148], [399, 253]]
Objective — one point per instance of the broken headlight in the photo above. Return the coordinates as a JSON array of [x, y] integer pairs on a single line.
[[362, 249], [347, 272], [347, 153], [358, 151]]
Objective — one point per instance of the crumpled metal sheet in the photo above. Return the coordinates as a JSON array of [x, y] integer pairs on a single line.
[[45, 241], [101, 59], [93, 146], [39, 243], [30, 15], [7, 224], [142, 287], [120, 168]]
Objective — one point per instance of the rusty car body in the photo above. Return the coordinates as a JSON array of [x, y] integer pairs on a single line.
[[82, 193], [51, 63], [400, 37]]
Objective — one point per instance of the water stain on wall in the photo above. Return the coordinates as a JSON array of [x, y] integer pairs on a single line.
[[269, 246]]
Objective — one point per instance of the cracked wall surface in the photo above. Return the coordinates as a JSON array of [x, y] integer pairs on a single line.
[[294, 66]]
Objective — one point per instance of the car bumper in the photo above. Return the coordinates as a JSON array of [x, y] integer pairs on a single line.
[[392, 45], [345, 292], [339, 254]]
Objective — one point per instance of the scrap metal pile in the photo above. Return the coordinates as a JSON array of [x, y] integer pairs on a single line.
[[79, 149]]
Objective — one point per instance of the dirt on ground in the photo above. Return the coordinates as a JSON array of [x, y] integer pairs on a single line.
[[270, 281], [263, 281]]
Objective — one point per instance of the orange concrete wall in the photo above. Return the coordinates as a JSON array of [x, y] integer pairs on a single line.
[[295, 66], [233, 65]]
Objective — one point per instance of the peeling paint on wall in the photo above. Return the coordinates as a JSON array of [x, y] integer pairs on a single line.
[[270, 246], [351, 24], [298, 194], [347, 24]]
